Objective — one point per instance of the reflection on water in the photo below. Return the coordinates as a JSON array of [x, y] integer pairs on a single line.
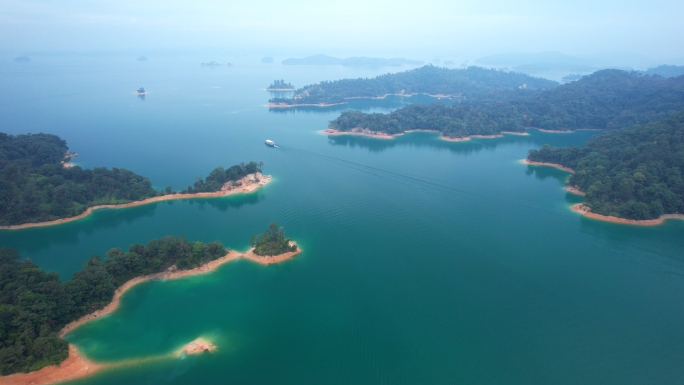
[[281, 94], [141, 97]]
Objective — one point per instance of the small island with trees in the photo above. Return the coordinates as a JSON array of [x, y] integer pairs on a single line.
[[280, 85], [272, 242]]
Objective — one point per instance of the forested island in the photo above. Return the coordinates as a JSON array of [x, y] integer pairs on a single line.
[[35, 305], [472, 83], [35, 185], [280, 85], [607, 99], [633, 173], [272, 242]]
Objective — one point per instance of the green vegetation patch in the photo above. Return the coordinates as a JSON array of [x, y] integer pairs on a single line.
[[272, 241]]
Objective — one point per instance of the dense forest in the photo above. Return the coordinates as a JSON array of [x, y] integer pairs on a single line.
[[281, 85], [470, 83], [36, 187], [606, 99], [272, 241], [35, 305], [633, 173]]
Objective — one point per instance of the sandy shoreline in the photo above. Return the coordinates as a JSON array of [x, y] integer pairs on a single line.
[[248, 185], [558, 166], [358, 131], [574, 190], [77, 366], [585, 210], [283, 105]]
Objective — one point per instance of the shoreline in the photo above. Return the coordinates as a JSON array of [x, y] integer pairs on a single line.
[[77, 366], [281, 89], [558, 166], [225, 191], [364, 132], [582, 209], [283, 105], [381, 135]]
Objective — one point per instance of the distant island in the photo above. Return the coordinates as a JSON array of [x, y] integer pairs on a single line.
[[607, 99], [462, 84], [267, 59], [39, 188], [141, 91], [142, 58], [215, 64], [632, 175], [29, 345], [280, 85], [351, 61], [22, 59]]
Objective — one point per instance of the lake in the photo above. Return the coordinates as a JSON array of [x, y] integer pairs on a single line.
[[424, 261]]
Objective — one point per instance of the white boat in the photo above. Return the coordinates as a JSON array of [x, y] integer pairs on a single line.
[[270, 143]]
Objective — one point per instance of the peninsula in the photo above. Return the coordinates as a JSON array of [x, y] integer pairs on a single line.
[[632, 175], [95, 291], [41, 188], [463, 84]]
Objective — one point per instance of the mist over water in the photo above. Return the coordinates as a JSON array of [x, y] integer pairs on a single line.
[[423, 261]]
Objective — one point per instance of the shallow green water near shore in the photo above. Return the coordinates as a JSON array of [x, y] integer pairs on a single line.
[[423, 261]]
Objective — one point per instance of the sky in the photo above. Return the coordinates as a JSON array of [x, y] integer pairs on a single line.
[[412, 29]]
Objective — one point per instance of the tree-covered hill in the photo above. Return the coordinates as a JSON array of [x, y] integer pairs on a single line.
[[36, 187], [470, 83], [606, 99], [451, 121], [35, 305], [633, 173]]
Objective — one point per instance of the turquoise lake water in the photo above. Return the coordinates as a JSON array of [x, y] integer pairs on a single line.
[[423, 261]]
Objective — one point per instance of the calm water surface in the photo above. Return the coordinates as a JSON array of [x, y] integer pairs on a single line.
[[423, 261]]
